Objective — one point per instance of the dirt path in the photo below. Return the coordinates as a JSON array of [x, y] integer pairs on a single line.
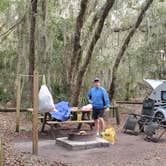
[[127, 151], [14, 156]]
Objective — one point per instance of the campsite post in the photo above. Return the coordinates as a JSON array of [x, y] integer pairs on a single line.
[[35, 111], [1, 152], [18, 102]]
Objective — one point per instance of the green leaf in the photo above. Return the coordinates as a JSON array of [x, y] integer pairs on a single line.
[[4, 4]]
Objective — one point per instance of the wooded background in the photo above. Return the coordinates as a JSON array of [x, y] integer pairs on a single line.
[[73, 41]]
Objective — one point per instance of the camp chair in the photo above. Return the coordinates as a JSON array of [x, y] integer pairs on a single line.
[[154, 131], [135, 120]]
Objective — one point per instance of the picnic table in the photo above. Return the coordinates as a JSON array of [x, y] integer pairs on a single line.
[[85, 118]]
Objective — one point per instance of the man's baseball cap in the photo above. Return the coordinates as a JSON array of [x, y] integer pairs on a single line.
[[96, 79]]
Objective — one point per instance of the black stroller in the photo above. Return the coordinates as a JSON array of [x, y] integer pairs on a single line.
[[136, 123], [145, 122], [155, 130]]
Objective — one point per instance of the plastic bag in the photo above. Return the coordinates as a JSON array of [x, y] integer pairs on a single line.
[[46, 103], [109, 134]]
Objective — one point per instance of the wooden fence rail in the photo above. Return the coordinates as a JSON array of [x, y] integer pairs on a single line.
[[14, 110], [129, 102]]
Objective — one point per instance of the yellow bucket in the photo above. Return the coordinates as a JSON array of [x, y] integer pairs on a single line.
[[109, 134], [79, 116]]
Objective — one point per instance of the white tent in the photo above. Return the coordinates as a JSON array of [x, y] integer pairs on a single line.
[[158, 93], [154, 83]]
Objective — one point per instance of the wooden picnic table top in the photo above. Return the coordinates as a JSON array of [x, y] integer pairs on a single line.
[[80, 110]]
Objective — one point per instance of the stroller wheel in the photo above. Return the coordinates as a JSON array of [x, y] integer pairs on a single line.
[[155, 140], [141, 128], [159, 116], [148, 139]]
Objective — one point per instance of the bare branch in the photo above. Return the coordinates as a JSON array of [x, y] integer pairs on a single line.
[[125, 45], [12, 27]]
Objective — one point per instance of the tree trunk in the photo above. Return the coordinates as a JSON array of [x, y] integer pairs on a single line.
[[77, 52], [124, 47], [32, 43], [20, 31], [103, 15]]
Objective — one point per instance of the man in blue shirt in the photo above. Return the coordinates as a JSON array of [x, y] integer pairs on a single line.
[[99, 99]]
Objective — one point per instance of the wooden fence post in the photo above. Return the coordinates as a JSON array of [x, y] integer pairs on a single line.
[[1, 153], [116, 112], [117, 116], [18, 103], [35, 111]]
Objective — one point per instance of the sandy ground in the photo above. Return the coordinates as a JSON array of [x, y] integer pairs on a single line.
[[127, 151]]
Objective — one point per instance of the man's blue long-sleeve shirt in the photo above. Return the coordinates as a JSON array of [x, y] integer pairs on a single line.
[[98, 97]]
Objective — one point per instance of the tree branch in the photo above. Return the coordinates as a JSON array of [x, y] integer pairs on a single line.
[[77, 35], [125, 45], [17, 23], [103, 15], [86, 38], [122, 29], [12, 27], [90, 29]]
